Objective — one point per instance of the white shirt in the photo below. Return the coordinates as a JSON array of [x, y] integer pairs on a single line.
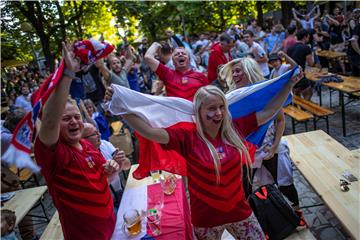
[[259, 52], [280, 71], [23, 102], [107, 149], [307, 24]]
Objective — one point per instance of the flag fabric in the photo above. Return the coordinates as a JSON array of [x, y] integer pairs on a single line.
[[165, 112], [18, 153]]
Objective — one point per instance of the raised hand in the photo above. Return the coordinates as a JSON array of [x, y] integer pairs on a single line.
[[72, 62]]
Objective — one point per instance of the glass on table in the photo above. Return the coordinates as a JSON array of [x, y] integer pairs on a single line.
[[168, 182], [153, 221], [132, 222], [155, 175]]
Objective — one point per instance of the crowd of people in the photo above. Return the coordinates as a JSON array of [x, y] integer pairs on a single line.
[[200, 68]]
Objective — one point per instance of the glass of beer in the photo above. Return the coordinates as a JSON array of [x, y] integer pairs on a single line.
[[155, 176], [132, 222], [168, 182]]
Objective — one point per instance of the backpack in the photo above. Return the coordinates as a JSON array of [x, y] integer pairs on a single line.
[[276, 217]]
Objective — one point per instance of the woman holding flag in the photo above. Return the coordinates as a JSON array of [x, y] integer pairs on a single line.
[[272, 154], [215, 151]]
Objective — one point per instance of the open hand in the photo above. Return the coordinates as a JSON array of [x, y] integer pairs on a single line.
[[72, 62]]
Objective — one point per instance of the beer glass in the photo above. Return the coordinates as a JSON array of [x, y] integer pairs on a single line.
[[168, 182], [132, 222], [153, 222], [155, 175]]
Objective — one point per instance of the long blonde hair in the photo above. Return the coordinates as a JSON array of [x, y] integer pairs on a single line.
[[250, 67], [228, 133]]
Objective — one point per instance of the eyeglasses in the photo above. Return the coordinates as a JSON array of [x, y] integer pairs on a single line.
[[93, 134]]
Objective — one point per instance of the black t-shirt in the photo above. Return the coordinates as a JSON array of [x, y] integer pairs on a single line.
[[298, 52], [356, 32]]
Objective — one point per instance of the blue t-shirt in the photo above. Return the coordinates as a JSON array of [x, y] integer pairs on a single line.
[[133, 80], [271, 40]]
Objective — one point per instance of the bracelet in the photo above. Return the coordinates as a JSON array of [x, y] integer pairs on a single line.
[[69, 73]]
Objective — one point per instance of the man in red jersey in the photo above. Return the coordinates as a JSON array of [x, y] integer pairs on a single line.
[[183, 81], [75, 172]]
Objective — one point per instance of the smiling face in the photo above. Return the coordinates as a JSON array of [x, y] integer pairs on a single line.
[[248, 39], [181, 59], [239, 76], [212, 112], [71, 125], [91, 134], [115, 65]]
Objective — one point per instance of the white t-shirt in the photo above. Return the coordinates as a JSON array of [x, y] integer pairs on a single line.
[[278, 72], [307, 24], [259, 53], [107, 149], [24, 102]]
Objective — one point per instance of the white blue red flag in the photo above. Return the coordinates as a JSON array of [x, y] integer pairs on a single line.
[[170, 111], [18, 153]]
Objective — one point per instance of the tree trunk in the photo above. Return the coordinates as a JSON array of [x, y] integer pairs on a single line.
[[260, 16], [286, 14]]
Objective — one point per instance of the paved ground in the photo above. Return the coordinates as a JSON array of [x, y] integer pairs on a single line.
[[322, 222]]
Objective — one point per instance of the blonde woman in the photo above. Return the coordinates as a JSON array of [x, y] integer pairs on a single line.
[[215, 152], [240, 73]]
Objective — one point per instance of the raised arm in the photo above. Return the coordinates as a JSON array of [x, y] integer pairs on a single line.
[[158, 135], [150, 56], [318, 13], [129, 59], [55, 105], [295, 15], [277, 101], [103, 69], [288, 59]]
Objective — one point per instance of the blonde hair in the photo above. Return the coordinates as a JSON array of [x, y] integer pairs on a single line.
[[250, 67], [228, 133]]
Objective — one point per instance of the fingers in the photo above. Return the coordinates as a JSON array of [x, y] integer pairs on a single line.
[[111, 166]]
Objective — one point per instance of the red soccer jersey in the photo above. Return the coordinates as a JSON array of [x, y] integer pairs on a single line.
[[213, 204], [178, 84], [79, 188]]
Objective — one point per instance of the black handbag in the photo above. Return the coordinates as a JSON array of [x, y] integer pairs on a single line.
[[276, 217]]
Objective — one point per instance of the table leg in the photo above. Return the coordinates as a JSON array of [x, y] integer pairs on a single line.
[[341, 98], [319, 93]]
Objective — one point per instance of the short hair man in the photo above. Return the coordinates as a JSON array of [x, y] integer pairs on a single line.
[[76, 173]]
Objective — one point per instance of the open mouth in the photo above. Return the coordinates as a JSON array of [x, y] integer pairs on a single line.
[[217, 121], [181, 61], [73, 130]]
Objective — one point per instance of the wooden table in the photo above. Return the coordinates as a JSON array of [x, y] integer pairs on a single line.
[[330, 54], [24, 200], [322, 160], [350, 86]]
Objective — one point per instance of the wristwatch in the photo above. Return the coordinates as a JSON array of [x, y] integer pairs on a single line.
[[69, 73]]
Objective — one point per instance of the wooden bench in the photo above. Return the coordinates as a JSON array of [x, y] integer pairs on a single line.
[[25, 175], [318, 111], [297, 116], [53, 229]]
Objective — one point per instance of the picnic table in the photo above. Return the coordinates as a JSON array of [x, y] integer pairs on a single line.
[[175, 215], [350, 88], [330, 54], [24, 200], [322, 160]]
